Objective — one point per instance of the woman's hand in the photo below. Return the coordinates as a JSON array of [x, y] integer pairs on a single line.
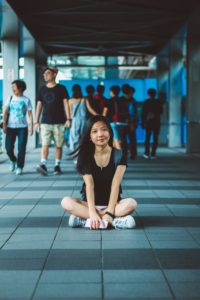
[[37, 126], [95, 220], [68, 123], [31, 130], [107, 218]]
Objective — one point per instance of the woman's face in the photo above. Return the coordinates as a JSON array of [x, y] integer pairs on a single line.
[[16, 90], [100, 134]]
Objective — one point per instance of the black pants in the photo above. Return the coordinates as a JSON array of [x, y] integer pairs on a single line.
[[123, 134], [155, 132], [22, 135], [131, 133]]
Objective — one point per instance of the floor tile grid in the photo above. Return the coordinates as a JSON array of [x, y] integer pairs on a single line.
[[157, 258], [7, 203], [21, 222], [49, 251], [46, 259], [155, 255], [160, 266], [141, 218]]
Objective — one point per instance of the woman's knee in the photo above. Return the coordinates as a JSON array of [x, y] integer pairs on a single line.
[[131, 204], [67, 203]]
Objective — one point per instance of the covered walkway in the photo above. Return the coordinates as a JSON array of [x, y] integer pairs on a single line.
[[42, 258]]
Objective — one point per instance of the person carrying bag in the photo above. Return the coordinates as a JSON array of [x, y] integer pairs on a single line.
[[15, 125]]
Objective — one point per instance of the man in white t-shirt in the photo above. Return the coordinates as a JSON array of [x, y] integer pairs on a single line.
[[15, 125]]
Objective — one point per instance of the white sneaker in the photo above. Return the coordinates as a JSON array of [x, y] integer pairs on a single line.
[[76, 221], [19, 171], [127, 222], [146, 156], [12, 166], [103, 224]]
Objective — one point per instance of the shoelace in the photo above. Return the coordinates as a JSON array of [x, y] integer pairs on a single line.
[[80, 222], [120, 222]]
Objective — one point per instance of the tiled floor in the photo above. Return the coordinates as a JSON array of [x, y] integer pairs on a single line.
[[41, 258]]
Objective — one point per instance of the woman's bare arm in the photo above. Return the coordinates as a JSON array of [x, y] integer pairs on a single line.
[[30, 115], [94, 217], [89, 108], [5, 118], [116, 182]]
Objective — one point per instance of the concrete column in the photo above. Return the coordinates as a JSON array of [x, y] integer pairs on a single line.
[[10, 47], [193, 86], [41, 62], [163, 81], [30, 75], [175, 91]]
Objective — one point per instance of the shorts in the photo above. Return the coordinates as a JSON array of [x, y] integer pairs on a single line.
[[55, 131], [99, 206]]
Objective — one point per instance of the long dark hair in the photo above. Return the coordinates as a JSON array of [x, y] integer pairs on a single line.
[[86, 149], [76, 91]]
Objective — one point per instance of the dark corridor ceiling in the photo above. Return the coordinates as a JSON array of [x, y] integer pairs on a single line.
[[103, 27]]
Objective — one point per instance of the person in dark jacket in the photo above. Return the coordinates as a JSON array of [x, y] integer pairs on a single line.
[[151, 111], [132, 124]]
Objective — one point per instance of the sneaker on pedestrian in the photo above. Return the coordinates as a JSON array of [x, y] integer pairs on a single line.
[[153, 157], [42, 169], [19, 171], [12, 166], [76, 221], [57, 170], [126, 222], [146, 156]]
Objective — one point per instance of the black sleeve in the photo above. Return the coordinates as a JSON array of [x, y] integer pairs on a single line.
[[40, 94], [85, 171], [82, 167], [123, 160], [65, 94]]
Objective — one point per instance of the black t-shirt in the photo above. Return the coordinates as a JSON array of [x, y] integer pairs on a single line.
[[94, 105], [102, 179], [118, 109], [123, 109], [52, 101], [111, 105]]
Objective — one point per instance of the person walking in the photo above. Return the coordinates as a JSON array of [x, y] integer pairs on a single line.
[[112, 113], [95, 105], [124, 116], [151, 112], [79, 108], [100, 99], [132, 124], [15, 125], [102, 168], [53, 104]]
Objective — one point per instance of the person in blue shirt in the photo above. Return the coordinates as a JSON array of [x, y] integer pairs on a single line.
[[15, 125]]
